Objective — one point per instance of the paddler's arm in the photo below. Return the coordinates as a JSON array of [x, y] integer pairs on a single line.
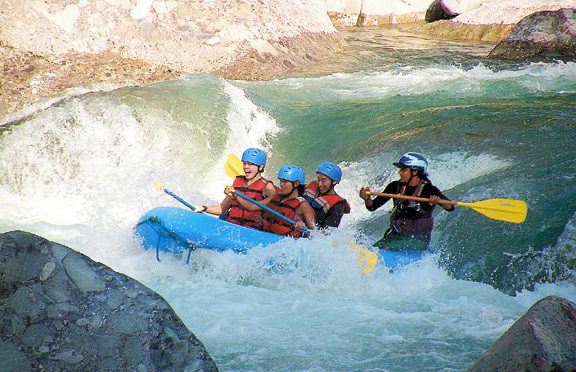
[[214, 209], [270, 189], [306, 211], [372, 204], [435, 199]]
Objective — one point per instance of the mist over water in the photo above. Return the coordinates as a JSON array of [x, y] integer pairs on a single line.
[[82, 171]]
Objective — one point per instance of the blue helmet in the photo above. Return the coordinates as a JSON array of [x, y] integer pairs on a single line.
[[413, 160], [254, 156], [331, 170], [291, 173]]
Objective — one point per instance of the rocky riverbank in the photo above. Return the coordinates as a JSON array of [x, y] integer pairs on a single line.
[[48, 47]]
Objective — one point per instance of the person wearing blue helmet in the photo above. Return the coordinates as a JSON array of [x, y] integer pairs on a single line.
[[329, 207], [288, 201], [411, 222], [252, 184]]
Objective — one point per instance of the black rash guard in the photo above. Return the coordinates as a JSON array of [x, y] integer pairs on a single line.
[[395, 187], [333, 218]]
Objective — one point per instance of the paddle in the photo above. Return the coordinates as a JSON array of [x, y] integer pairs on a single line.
[[270, 210], [366, 258], [233, 166], [508, 210], [159, 186]]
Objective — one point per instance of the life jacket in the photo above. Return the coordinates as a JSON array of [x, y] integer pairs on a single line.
[[280, 226], [410, 208], [236, 213], [322, 204], [409, 219]]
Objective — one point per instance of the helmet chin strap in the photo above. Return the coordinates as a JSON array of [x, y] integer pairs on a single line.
[[411, 176], [292, 190], [332, 185]]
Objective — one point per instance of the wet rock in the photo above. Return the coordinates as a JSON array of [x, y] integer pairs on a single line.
[[62, 311], [436, 12], [544, 339], [542, 35], [491, 21]]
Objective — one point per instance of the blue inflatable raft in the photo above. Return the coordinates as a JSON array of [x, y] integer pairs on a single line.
[[177, 230]]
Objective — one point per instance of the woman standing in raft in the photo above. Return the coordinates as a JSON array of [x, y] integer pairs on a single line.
[[288, 202], [411, 222], [253, 185], [329, 207]]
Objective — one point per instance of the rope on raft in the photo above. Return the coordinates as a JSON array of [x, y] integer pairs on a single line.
[[163, 232]]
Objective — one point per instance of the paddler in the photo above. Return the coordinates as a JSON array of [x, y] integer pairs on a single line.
[[252, 184], [288, 201], [411, 222], [329, 207]]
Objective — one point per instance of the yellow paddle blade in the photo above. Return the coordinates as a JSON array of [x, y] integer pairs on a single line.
[[509, 210], [367, 259], [233, 166], [158, 186]]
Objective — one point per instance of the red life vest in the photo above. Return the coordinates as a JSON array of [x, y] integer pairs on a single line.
[[277, 225], [241, 216], [322, 204]]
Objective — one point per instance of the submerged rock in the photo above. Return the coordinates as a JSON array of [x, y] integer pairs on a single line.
[[62, 311], [540, 35], [544, 339]]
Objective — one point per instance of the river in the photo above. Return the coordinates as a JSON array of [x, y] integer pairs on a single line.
[[81, 171]]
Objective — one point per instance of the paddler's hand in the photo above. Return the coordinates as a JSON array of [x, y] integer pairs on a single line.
[[434, 199], [200, 208], [229, 191], [364, 193], [300, 225]]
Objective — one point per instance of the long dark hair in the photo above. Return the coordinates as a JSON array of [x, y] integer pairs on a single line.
[[301, 189]]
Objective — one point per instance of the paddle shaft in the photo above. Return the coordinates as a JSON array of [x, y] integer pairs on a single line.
[[179, 199], [508, 210], [408, 197], [270, 210]]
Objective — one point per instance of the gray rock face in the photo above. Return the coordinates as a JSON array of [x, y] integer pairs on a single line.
[[544, 339], [547, 34], [61, 311]]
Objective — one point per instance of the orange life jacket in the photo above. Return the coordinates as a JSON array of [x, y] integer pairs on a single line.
[[322, 204], [277, 225], [240, 216]]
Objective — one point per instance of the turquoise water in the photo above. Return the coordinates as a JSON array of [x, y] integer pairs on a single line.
[[80, 170]]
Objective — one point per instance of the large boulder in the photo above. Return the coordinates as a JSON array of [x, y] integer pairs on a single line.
[[376, 12], [492, 21], [48, 46], [62, 311], [540, 35], [436, 12], [455, 7], [198, 36], [544, 339]]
